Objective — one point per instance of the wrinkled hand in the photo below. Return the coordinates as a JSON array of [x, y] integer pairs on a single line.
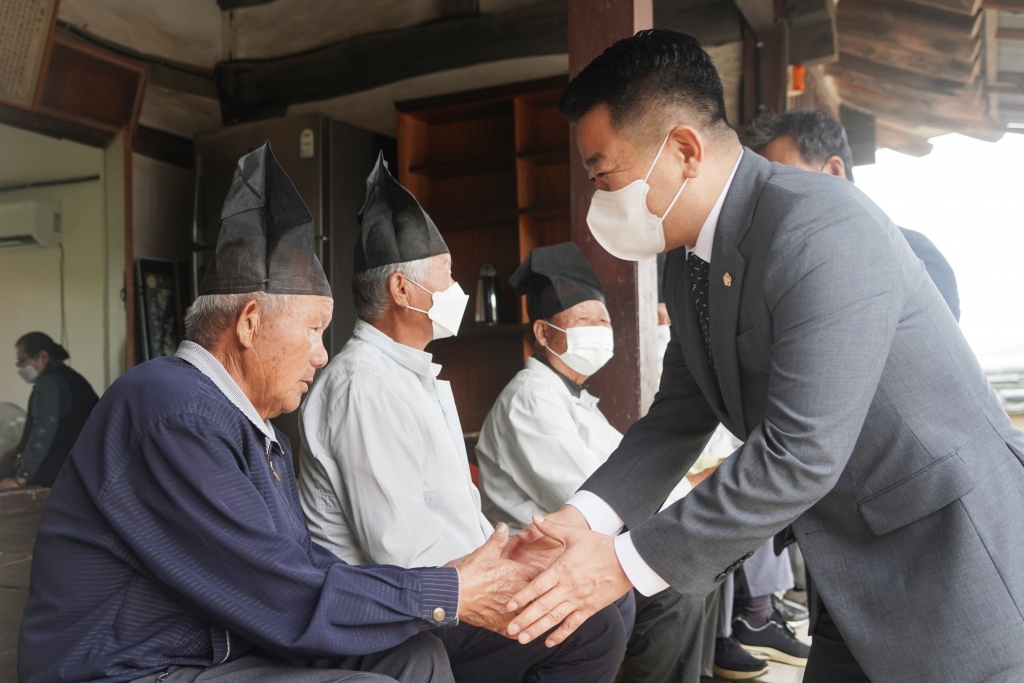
[[11, 483], [486, 582], [584, 579], [530, 546]]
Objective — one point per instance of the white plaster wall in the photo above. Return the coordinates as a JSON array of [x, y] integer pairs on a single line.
[[181, 30]]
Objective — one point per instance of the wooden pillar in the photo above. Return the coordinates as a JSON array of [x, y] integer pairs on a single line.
[[129, 254], [626, 386], [765, 62]]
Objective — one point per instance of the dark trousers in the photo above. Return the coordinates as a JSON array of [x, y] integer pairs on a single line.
[[668, 639], [830, 660], [590, 655], [421, 659]]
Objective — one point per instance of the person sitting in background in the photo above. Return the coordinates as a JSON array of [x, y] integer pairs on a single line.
[[814, 141], [58, 407], [545, 435], [173, 548], [384, 476]]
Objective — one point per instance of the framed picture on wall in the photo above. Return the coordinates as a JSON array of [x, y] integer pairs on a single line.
[[159, 307]]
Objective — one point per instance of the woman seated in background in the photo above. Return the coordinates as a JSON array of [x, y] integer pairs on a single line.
[[60, 404]]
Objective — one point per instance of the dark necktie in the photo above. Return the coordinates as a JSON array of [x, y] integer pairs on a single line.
[[697, 271]]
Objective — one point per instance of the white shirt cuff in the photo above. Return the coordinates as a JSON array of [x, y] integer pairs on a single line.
[[639, 573], [599, 514]]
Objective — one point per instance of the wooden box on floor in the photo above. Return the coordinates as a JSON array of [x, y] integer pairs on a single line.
[[491, 167]]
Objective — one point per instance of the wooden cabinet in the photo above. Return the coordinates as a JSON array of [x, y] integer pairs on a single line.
[[491, 167]]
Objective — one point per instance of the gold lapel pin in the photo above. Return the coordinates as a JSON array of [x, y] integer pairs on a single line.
[[727, 279]]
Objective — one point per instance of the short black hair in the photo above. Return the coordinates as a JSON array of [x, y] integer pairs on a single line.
[[655, 66], [818, 136]]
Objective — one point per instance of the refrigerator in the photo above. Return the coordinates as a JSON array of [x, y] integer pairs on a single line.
[[328, 162]]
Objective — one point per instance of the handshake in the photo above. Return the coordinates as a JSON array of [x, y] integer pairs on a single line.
[[555, 571]]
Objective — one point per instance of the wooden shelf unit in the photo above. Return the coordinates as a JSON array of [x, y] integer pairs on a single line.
[[491, 167]]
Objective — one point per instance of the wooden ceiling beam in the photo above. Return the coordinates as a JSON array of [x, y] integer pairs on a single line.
[[163, 73], [912, 110], [890, 52], [970, 106], [254, 89], [1010, 34], [812, 32], [920, 39], [53, 127], [901, 77], [905, 143]]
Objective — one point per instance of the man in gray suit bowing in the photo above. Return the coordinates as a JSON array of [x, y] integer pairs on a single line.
[[804, 323]]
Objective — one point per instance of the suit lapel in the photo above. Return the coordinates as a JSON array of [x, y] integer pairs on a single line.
[[727, 266], [688, 329], [725, 281]]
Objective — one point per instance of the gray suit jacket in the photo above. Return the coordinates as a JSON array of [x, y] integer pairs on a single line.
[[868, 425]]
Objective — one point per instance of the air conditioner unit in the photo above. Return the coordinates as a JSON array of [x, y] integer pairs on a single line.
[[33, 223]]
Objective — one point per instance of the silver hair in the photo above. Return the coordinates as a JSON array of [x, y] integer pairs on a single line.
[[370, 287], [211, 314]]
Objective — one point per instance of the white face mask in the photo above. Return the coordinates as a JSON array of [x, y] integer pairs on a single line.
[[28, 373], [447, 309], [621, 222], [587, 348], [664, 334]]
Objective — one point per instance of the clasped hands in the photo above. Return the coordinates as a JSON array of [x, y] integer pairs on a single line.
[[555, 571]]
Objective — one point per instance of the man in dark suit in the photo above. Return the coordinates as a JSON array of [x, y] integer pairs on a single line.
[[804, 323], [814, 141]]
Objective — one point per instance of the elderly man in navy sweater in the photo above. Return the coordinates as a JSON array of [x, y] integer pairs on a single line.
[[173, 548]]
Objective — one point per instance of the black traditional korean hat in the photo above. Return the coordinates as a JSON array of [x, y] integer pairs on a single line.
[[266, 235], [394, 227], [554, 279]]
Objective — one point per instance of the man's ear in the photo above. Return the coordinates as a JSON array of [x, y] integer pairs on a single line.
[[834, 166], [540, 332], [398, 287], [44, 358], [248, 324], [687, 142]]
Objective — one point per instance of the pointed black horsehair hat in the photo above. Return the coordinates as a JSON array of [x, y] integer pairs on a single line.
[[394, 227], [555, 279], [266, 235]]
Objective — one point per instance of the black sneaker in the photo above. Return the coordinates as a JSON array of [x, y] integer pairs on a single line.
[[791, 612], [774, 641], [733, 663]]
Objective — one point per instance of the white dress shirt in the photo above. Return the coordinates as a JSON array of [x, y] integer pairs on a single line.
[[384, 477], [599, 515], [538, 445]]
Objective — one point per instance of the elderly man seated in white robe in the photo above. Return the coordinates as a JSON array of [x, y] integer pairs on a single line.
[[384, 473], [545, 435]]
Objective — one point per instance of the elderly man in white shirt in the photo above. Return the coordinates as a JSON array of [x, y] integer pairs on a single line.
[[384, 473], [545, 435]]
